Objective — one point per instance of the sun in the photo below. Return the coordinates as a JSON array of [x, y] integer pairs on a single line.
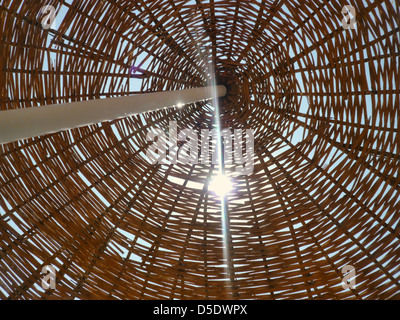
[[220, 185]]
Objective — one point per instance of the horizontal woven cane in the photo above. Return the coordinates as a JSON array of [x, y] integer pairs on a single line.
[[84, 215]]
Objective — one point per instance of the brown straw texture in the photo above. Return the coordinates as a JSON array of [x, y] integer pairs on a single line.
[[323, 102]]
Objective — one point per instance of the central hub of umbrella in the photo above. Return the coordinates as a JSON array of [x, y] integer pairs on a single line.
[[235, 105], [260, 90]]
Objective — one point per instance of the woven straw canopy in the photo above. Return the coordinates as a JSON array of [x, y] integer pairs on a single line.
[[322, 101]]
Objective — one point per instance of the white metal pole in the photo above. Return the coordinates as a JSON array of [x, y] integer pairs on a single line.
[[26, 123]]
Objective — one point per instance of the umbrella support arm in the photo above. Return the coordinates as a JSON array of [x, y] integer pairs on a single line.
[[27, 123]]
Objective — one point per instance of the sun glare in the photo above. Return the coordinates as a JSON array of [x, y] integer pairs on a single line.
[[221, 185]]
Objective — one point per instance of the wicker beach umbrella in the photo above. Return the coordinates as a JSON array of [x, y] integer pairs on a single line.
[[315, 83]]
